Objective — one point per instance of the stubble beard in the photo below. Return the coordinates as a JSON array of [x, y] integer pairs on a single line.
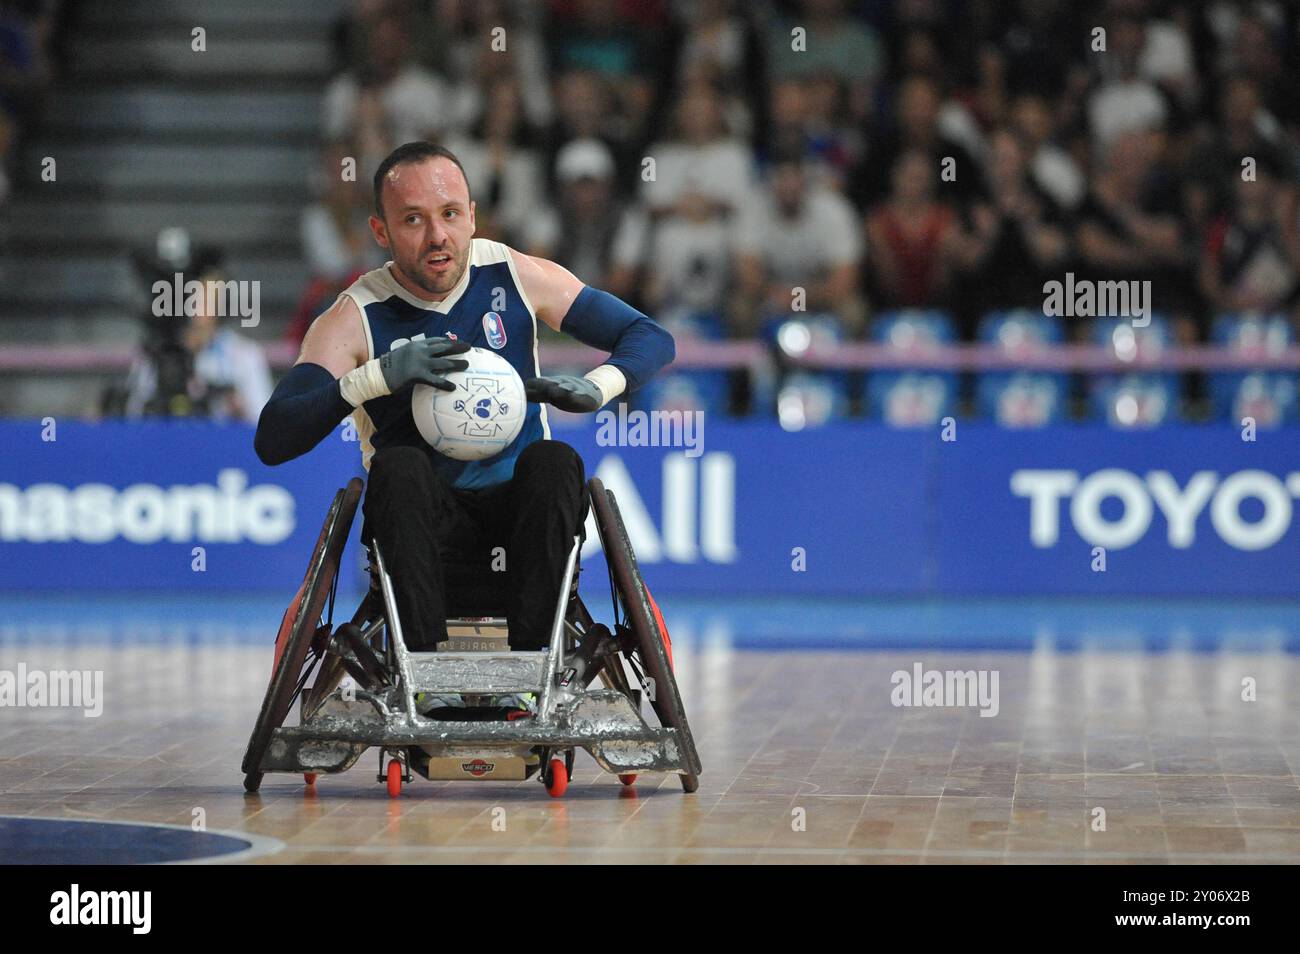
[[414, 270]]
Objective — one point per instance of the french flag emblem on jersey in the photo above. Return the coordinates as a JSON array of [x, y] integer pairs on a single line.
[[495, 329]]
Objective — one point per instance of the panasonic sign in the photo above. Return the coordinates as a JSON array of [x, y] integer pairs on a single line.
[[228, 512], [1140, 497]]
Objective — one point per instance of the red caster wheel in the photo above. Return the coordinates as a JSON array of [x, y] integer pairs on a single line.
[[628, 778], [394, 778], [557, 781], [309, 778]]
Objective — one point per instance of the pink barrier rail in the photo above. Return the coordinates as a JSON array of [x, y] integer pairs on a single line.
[[77, 358]]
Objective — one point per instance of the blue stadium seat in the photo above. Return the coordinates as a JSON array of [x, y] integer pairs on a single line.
[[803, 398], [1267, 396], [807, 399], [1136, 399], [1021, 398], [917, 398]]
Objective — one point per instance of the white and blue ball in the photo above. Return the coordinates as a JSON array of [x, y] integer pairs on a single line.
[[478, 419]]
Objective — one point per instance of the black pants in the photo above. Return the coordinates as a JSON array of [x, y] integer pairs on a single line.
[[473, 553]]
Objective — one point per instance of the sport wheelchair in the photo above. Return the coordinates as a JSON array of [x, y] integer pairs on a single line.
[[379, 707]]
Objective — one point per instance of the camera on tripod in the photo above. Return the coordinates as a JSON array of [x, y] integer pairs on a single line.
[[178, 391]]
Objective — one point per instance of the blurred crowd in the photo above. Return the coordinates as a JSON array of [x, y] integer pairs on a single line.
[[27, 29], [705, 158]]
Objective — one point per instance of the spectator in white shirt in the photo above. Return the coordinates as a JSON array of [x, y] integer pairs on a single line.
[[390, 101], [336, 240], [702, 166], [797, 234]]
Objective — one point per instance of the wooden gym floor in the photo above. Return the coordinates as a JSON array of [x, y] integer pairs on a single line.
[[1115, 741]]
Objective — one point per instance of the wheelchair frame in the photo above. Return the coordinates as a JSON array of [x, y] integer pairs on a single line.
[[339, 723]]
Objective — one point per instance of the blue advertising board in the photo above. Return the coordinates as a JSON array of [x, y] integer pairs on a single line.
[[1179, 510], [854, 508]]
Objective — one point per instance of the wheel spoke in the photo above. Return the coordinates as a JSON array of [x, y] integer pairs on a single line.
[[307, 670], [334, 588]]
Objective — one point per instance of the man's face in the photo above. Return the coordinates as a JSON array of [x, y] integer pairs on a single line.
[[202, 325], [918, 108], [1126, 39], [428, 223], [1008, 161], [1032, 119], [588, 197], [1240, 104], [1130, 159], [788, 186], [389, 45], [581, 103], [912, 179], [700, 116], [789, 102]]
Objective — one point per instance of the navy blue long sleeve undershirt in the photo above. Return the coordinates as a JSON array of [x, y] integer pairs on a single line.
[[305, 406], [638, 346]]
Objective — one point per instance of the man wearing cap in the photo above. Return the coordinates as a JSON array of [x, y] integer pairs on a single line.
[[591, 234]]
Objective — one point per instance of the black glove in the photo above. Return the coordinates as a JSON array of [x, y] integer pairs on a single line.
[[424, 361], [568, 392]]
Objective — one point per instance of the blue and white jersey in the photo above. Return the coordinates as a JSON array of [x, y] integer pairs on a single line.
[[487, 309]]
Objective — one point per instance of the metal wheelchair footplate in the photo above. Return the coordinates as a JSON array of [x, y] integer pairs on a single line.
[[601, 721], [478, 673]]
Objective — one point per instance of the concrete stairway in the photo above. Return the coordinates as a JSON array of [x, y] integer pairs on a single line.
[[148, 133]]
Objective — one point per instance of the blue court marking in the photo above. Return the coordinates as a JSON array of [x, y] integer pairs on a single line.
[[118, 619], [984, 624], [62, 841], [1009, 625]]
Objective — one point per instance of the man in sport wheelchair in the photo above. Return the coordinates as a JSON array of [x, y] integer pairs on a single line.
[[435, 527]]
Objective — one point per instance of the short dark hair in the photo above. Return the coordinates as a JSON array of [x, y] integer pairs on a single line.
[[406, 153]]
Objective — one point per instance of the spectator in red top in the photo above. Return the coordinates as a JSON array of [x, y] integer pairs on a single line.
[[913, 239]]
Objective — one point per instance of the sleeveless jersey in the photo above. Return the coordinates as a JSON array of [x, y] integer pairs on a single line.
[[487, 309]]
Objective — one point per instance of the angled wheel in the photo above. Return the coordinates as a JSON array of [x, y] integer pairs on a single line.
[[304, 630], [635, 611]]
